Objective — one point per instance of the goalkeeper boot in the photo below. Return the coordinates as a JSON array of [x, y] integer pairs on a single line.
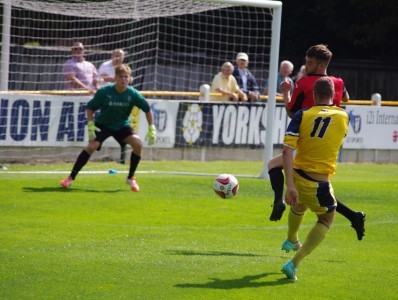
[[288, 246], [289, 270], [359, 224], [133, 184], [277, 211], [66, 182]]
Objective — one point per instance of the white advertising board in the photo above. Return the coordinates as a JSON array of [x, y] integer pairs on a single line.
[[372, 128]]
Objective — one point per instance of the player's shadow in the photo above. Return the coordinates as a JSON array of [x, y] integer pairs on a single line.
[[248, 281], [61, 189], [211, 253]]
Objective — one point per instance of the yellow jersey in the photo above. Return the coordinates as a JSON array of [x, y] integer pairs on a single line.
[[317, 133]]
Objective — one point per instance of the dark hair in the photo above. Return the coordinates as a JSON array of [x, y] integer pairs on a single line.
[[324, 88], [320, 52]]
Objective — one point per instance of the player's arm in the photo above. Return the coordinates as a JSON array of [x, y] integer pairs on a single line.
[[289, 144], [151, 134], [149, 117], [346, 96], [90, 114], [92, 129], [286, 86]]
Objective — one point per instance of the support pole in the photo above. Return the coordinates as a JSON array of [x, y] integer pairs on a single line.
[[276, 6], [5, 47]]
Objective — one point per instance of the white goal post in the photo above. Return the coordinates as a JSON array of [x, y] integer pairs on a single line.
[[273, 69], [170, 45]]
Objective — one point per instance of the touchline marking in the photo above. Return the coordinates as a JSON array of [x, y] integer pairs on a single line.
[[245, 228], [122, 172]]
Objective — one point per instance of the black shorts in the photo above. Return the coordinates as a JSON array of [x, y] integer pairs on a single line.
[[118, 135]]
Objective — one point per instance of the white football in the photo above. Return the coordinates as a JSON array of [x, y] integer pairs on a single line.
[[226, 186]]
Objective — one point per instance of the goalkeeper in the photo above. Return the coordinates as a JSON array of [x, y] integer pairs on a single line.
[[115, 102]]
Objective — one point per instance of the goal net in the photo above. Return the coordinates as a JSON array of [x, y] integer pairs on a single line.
[[170, 45]]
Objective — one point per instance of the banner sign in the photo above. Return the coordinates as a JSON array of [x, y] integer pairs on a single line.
[[372, 128], [207, 124], [42, 120], [165, 116], [60, 121]]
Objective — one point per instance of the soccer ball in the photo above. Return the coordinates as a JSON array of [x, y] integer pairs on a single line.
[[226, 186]]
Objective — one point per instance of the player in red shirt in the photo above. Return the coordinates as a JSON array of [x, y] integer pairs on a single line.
[[316, 62], [302, 94]]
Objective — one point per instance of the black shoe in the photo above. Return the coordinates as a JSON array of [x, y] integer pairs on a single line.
[[277, 211], [359, 224]]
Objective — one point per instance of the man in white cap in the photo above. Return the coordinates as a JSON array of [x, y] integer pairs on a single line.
[[246, 81]]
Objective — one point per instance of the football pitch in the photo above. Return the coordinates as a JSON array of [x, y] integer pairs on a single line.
[[176, 239]]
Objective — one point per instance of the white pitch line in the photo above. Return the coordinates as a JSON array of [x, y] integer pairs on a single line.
[[282, 227], [123, 172]]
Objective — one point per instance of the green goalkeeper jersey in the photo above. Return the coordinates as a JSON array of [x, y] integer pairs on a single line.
[[115, 108]]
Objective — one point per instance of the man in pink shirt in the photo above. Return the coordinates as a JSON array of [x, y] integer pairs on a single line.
[[79, 73]]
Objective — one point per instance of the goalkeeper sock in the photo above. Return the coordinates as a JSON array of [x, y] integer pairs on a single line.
[[134, 161], [82, 159], [345, 211], [277, 181]]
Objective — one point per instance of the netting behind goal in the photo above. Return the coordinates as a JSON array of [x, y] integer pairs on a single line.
[[171, 45]]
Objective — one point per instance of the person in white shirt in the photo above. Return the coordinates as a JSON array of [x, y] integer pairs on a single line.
[[107, 68], [107, 76]]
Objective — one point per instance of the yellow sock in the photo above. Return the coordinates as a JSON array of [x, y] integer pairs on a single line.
[[314, 238], [294, 222]]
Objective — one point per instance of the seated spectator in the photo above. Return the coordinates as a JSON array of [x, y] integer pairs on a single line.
[[79, 73], [300, 74], [246, 81], [226, 84], [107, 68], [107, 76], [285, 69]]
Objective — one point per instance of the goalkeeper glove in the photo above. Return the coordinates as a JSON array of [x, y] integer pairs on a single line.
[[151, 135], [91, 130]]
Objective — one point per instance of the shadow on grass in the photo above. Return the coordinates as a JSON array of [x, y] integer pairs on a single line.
[[64, 190], [238, 283], [211, 253]]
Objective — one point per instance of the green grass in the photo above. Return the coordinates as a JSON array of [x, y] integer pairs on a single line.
[[176, 240]]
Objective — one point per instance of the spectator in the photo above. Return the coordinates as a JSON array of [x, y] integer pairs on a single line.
[[226, 84], [300, 74], [285, 69], [246, 81], [107, 76], [79, 73], [107, 68]]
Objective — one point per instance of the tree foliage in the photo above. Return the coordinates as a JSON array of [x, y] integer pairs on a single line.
[[353, 29]]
